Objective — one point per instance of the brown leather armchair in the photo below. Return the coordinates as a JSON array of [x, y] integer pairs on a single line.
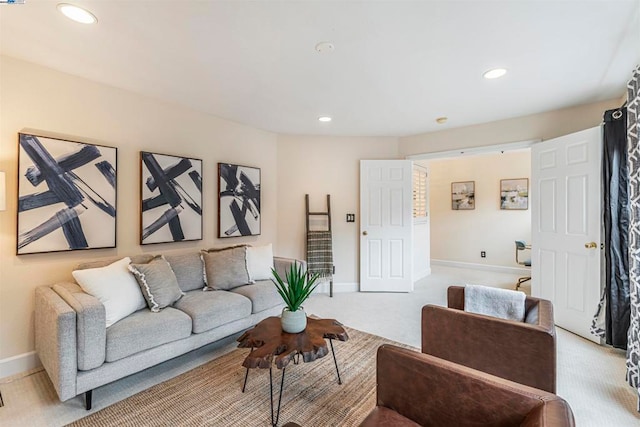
[[417, 389], [524, 352]]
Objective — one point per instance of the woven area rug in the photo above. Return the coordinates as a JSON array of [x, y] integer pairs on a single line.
[[211, 395]]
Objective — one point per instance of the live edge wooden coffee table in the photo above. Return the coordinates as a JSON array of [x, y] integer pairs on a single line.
[[268, 341]]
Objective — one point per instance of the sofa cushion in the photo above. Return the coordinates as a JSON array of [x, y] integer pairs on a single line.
[[226, 268], [212, 309], [260, 262], [137, 259], [144, 330], [157, 282], [189, 270], [263, 295], [115, 287]]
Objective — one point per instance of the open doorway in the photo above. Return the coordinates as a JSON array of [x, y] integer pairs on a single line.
[[478, 207]]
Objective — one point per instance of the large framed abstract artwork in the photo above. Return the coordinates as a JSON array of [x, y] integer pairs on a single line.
[[66, 195], [171, 198], [239, 200]]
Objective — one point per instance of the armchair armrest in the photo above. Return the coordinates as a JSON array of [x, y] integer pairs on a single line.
[[517, 351], [55, 331], [432, 391]]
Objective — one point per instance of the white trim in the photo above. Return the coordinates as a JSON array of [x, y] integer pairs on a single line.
[[463, 152], [19, 364], [422, 274], [323, 288], [485, 267]]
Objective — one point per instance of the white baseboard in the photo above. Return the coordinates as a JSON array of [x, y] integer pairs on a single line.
[[485, 267], [421, 275], [19, 364], [323, 288]]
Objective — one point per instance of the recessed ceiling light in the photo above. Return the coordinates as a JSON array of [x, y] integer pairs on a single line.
[[77, 14], [441, 120], [494, 73], [324, 119]]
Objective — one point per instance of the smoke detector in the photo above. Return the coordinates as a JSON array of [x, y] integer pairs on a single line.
[[325, 47]]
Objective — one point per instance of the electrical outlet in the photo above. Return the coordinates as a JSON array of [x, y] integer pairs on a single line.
[[483, 254], [351, 217]]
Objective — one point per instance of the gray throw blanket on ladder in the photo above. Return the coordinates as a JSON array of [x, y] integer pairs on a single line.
[[320, 253]]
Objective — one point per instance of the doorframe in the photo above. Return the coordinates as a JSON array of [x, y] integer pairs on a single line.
[[469, 152], [473, 151]]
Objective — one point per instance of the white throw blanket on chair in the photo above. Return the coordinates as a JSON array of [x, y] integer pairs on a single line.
[[496, 302]]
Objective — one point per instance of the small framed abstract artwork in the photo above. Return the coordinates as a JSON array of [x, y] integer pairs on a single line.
[[238, 200], [66, 195], [463, 195], [171, 198], [514, 194]]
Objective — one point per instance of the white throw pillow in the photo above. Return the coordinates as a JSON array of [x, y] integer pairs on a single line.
[[260, 262], [115, 287]]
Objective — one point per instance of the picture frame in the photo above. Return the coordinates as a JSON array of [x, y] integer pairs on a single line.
[[67, 195], [514, 194], [239, 199], [463, 195], [170, 198]]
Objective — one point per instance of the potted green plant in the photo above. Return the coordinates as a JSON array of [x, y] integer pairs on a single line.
[[294, 291]]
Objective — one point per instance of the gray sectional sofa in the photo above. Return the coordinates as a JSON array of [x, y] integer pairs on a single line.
[[80, 353]]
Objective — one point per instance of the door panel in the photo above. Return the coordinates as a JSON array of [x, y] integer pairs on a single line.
[[386, 230], [566, 219]]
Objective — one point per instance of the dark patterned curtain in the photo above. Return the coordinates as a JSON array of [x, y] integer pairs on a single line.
[[633, 128], [615, 173]]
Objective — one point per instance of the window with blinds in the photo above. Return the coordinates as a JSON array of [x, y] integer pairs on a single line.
[[419, 192]]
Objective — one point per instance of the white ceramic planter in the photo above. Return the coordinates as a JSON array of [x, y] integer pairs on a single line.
[[293, 321]]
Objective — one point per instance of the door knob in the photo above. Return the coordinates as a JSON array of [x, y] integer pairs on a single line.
[[590, 245], [364, 233]]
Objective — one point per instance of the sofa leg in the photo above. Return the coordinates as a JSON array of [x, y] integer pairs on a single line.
[[87, 399]]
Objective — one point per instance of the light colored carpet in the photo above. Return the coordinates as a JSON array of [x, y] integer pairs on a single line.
[[211, 395], [590, 377]]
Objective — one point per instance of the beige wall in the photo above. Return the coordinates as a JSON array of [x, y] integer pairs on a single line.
[[460, 235], [318, 166], [45, 101], [535, 127]]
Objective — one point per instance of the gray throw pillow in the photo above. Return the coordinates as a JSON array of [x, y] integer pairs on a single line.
[[188, 269], [158, 283], [226, 268]]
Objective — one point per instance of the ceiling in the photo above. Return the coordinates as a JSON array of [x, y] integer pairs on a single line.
[[396, 67]]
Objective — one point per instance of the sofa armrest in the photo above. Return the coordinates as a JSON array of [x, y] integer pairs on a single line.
[[518, 351], [55, 332], [432, 391], [91, 332], [282, 265]]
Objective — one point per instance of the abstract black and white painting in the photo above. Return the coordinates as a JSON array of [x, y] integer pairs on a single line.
[[239, 200], [66, 195], [171, 196]]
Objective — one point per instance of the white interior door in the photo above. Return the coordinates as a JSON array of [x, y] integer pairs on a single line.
[[386, 226], [566, 218]]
